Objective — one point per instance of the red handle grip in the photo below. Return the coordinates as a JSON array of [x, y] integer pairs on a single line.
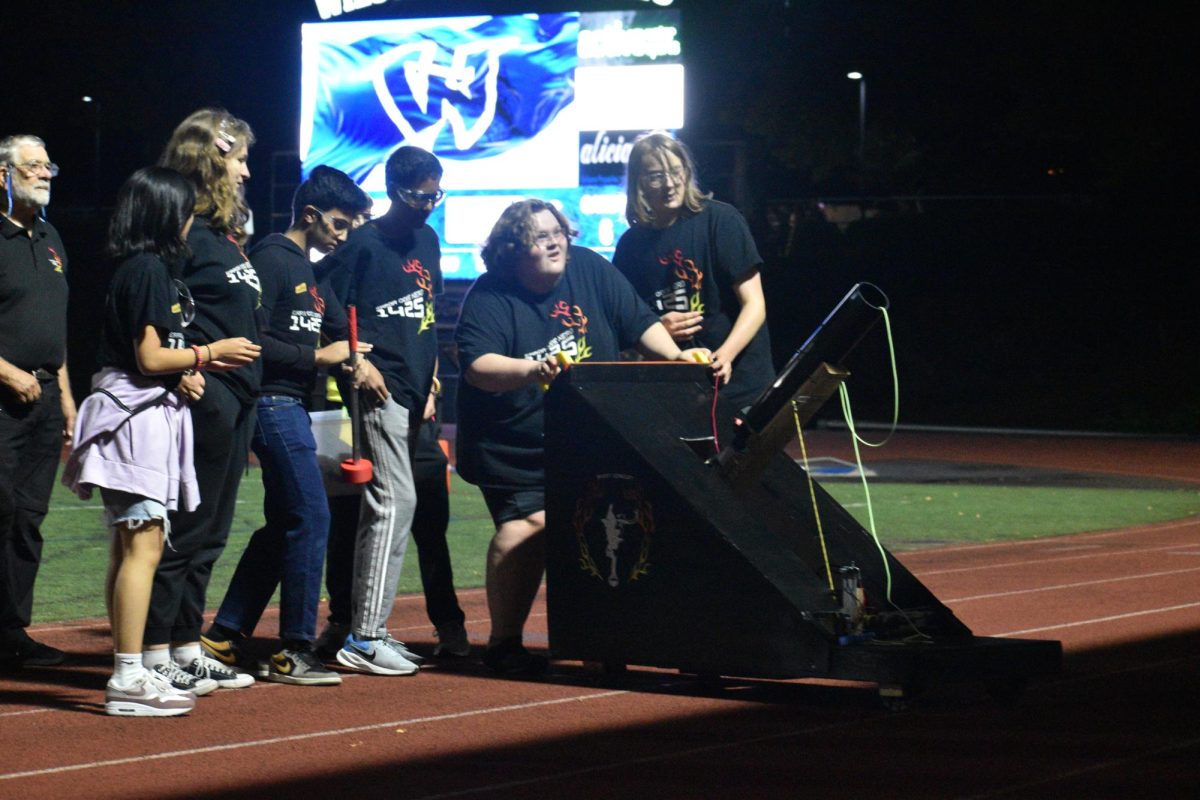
[[352, 311]]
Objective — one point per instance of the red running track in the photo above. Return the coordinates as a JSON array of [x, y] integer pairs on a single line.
[[1118, 722]]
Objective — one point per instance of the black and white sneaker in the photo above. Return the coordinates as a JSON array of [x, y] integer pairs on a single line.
[[206, 667], [185, 681]]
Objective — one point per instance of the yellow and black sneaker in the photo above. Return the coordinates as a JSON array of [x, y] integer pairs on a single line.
[[300, 668], [228, 653]]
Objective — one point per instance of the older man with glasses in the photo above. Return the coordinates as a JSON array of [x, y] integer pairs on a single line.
[[37, 410]]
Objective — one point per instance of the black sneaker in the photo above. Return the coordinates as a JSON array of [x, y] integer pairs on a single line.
[[452, 642], [510, 657], [331, 640], [23, 651]]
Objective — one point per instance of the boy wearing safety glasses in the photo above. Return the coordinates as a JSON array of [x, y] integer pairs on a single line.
[[390, 270]]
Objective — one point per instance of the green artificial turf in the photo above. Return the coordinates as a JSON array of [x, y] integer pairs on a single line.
[[909, 516], [71, 582]]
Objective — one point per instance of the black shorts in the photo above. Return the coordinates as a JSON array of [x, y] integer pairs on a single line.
[[506, 505]]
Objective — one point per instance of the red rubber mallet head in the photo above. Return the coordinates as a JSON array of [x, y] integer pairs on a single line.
[[355, 469]]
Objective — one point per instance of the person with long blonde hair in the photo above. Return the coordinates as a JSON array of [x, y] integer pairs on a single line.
[[210, 149], [693, 259]]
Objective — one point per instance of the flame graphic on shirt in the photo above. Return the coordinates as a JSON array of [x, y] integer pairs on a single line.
[[318, 301], [687, 271], [55, 259], [424, 281], [571, 316]]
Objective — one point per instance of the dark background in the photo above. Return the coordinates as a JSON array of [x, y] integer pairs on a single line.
[[1029, 174]]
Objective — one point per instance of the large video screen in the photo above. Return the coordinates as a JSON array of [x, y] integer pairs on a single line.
[[529, 105]]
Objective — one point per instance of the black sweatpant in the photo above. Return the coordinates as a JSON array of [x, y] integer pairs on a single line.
[[222, 429]]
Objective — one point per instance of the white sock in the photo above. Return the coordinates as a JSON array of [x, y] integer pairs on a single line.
[[152, 658], [186, 654], [126, 668]]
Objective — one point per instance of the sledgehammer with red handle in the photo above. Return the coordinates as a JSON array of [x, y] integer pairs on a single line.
[[355, 469]]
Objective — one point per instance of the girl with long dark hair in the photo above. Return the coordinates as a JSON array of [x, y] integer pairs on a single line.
[[133, 435]]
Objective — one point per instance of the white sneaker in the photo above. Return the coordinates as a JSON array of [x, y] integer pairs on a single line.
[[150, 695], [378, 656]]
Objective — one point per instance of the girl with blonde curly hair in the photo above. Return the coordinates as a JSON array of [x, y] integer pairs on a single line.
[[209, 148]]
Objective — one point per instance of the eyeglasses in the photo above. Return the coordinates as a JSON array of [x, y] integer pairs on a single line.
[[658, 178], [421, 199], [34, 167], [544, 238], [339, 224], [187, 306]]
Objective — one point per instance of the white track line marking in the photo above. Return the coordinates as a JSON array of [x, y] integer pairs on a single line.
[[691, 751], [1140, 530], [1079, 585], [1097, 620], [26, 712], [1096, 767], [305, 736], [922, 573]]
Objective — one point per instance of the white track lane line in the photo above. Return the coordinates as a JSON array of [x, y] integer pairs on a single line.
[[1133, 530], [479, 712], [923, 573], [1022, 789], [1098, 620], [630, 762], [1078, 585]]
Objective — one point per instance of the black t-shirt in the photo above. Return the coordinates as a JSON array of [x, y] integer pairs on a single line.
[[227, 292], [33, 296], [142, 293], [693, 265], [290, 318], [592, 315], [392, 281]]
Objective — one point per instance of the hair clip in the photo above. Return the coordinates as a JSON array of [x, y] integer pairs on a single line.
[[224, 139]]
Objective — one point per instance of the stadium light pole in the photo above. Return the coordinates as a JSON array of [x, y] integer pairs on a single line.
[[862, 128], [94, 102]]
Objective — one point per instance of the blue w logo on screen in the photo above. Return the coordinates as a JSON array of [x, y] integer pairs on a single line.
[[476, 95]]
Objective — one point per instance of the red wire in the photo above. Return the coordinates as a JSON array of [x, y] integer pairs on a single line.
[[716, 391]]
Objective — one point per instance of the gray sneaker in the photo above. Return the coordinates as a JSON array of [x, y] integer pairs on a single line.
[[301, 668], [150, 695], [401, 648], [452, 641], [185, 681], [378, 656]]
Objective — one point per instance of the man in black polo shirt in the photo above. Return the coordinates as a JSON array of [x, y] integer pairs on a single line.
[[37, 410]]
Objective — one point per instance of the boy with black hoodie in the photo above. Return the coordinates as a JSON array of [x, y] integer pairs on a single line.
[[289, 550]]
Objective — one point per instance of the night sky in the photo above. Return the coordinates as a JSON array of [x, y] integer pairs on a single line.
[[963, 98], [1053, 291]]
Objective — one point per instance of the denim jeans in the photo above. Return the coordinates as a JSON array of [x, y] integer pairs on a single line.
[[289, 550]]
